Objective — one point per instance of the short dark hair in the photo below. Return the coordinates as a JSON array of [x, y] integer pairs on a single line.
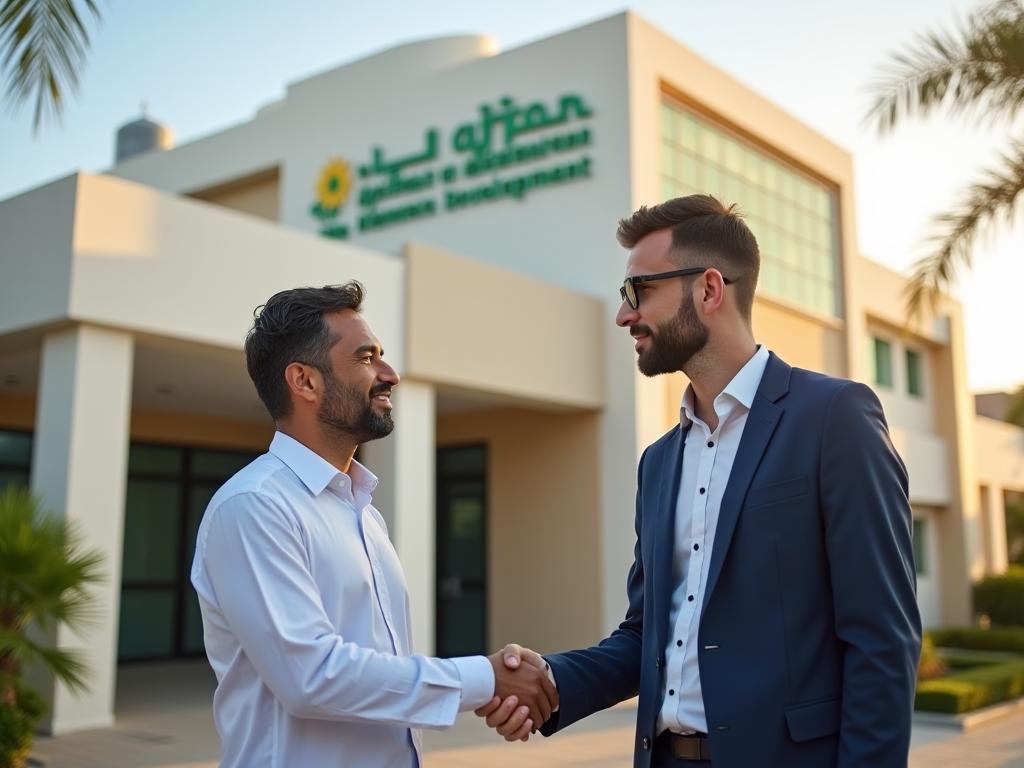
[[704, 230], [290, 328]]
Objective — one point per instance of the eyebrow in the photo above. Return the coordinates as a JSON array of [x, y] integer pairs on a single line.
[[368, 348]]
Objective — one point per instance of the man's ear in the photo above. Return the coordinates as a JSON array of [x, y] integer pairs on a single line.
[[304, 381], [712, 291]]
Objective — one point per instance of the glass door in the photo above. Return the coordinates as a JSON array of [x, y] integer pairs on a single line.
[[461, 550]]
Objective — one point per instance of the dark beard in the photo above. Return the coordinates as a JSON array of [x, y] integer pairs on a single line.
[[350, 411], [673, 343]]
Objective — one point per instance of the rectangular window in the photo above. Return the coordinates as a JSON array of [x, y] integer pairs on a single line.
[[914, 373], [167, 492], [882, 362], [15, 458], [791, 215], [920, 546]]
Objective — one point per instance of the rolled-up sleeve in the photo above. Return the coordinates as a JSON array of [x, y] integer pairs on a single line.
[[255, 566]]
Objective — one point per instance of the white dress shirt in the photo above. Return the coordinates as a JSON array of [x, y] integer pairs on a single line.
[[306, 623], [707, 461]]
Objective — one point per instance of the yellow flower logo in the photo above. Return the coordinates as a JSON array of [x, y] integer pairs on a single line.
[[334, 185]]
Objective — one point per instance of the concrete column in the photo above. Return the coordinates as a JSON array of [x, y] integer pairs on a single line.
[[79, 467], [406, 498], [996, 534]]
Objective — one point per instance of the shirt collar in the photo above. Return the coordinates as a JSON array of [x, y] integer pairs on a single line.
[[315, 472], [742, 388]]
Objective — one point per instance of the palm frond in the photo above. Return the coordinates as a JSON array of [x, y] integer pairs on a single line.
[[65, 665], [46, 576], [985, 205], [976, 69], [42, 51]]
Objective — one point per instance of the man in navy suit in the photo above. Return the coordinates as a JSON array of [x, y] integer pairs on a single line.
[[772, 617]]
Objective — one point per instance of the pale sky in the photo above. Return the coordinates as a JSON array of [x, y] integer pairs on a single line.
[[204, 65]]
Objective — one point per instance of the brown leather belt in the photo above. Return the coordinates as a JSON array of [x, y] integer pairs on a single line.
[[694, 746]]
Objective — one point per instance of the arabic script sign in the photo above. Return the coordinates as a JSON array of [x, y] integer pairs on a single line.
[[507, 152]]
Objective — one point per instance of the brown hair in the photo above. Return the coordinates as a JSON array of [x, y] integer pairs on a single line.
[[703, 230]]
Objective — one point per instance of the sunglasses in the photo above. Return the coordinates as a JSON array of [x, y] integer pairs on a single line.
[[628, 289]]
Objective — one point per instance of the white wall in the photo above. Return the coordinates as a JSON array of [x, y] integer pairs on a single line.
[[35, 255]]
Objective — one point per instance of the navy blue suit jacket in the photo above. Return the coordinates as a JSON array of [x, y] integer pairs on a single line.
[[809, 630]]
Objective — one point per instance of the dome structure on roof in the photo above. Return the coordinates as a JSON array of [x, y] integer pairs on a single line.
[[142, 135]]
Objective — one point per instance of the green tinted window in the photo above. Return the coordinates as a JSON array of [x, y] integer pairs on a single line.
[[220, 465], [15, 450], [920, 559], [882, 361], [914, 373], [155, 460], [792, 216]]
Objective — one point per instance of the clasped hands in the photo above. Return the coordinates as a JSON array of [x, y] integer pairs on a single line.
[[524, 696]]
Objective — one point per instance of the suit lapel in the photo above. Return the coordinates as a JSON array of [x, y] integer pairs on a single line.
[[670, 475], [762, 420]]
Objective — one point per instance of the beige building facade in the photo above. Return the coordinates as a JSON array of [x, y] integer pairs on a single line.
[[475, 193]]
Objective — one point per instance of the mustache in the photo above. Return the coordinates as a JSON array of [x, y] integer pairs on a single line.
[[380, 389], [640, 330]]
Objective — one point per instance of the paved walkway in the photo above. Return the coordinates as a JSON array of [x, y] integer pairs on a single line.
[[163, 721]]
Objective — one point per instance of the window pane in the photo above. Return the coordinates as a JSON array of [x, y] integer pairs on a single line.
[[147, 624], [914, 373], [920, 539], [883, 363], [219, 465], [152, 525], [15, 449], [155, 460], [18, 477], [462, 461]]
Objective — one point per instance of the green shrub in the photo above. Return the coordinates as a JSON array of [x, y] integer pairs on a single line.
[[1001, 597], [972, 689], [18, 724], [1007, 639]]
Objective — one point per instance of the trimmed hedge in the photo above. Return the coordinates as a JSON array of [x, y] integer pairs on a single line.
[[1001, 597], [1009, 639], [972, 689]]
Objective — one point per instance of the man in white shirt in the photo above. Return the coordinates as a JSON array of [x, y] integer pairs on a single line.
[[772, 618], [304, 603]]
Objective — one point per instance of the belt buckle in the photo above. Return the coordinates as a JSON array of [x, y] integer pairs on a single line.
[[688, 748]]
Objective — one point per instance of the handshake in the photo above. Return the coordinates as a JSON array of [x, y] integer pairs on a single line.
[[524, 696]]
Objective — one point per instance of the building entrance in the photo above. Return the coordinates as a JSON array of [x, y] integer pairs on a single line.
[[462, 550], [168, 490]]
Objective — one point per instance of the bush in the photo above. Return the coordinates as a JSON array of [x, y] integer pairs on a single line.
[[18, 724], [931, 664], [1001, 597], [973, 689], [1007, 639]]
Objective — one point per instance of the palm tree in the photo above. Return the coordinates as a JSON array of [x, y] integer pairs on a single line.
[[45, 577], [42, 50], [975, 72]]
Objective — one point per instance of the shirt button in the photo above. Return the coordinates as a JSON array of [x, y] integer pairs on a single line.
[[696, 546], [690, 598], [671, 692], [702, 490], [711, 443], [679, 643]]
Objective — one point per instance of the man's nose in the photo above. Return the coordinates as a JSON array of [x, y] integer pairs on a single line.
[[388, 374], [626, 316]]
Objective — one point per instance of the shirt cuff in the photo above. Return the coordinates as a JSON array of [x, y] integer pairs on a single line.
[[551, 676], [477, 677]]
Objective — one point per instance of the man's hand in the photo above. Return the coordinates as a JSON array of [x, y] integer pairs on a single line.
[[503, 713]]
